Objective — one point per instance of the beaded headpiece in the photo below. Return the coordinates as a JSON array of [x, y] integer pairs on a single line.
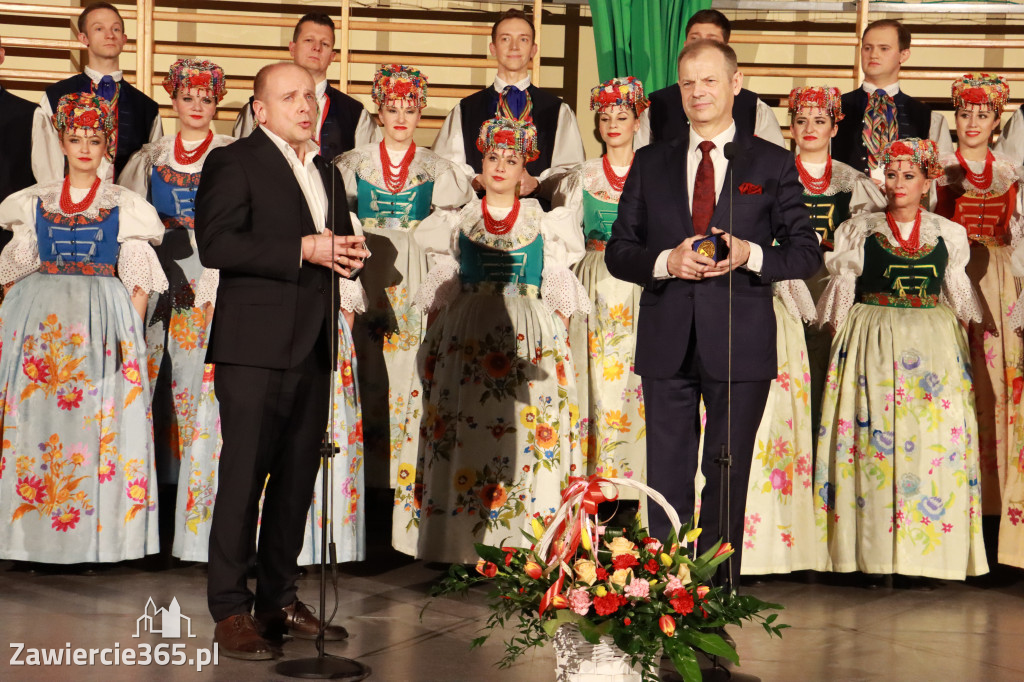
[[924, 153], [822, 97], [195, 74], [624, 92], [505, 131], [980, 88], [83, 110], [398, 81]]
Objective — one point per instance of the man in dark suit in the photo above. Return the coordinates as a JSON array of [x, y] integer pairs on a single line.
[[667, 120], [265, 211], [343, 123], [15, 146], [682, 356]]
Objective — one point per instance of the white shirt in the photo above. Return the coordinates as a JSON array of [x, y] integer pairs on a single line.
[[718, 160], [47, 155], [566, 152], [308, 177]]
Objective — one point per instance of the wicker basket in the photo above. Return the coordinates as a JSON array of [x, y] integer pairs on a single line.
[[577, 660]]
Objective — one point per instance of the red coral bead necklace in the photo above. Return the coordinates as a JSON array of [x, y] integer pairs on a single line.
[[616, 182], [980, 180], [811, 184], [187, 158], [912, 243], [69, 207], [395, 181], [503, 226]]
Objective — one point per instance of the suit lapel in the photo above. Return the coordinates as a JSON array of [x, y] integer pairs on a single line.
[[277, 167], [733, 178], [677, 184]]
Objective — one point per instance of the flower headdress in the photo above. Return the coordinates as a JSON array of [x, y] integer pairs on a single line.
[[505, 131], [625, 92], [401, 82], [924, 153], [195, 74], [980, 88], [821, 97], [83, 110]]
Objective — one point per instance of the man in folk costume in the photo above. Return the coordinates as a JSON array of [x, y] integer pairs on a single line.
[[342, 123], [513, 45], [666, 119], [101, 30], [878, 113]]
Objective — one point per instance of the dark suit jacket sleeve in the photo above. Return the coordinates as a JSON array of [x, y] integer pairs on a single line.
[[797, 255], [627, 254], [224, 233]]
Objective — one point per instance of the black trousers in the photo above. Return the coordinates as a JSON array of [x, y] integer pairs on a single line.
[[272, 423], [673, 442]]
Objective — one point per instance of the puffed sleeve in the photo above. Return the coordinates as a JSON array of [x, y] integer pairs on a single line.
[[346, 164], [453, 189], [845, 264], [560, 290], [437, 235], [569, 193], [351, 295], [866, 197], [136, 173], [21, 255], [566, 152], [957, 289], [449, 143], [139, 229]]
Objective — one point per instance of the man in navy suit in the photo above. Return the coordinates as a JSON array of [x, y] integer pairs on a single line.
[[677, 193]]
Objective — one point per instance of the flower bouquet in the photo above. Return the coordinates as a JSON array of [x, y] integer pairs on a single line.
[[613, 588]]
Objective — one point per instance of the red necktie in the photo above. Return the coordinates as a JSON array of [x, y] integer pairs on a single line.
[[703, 190]]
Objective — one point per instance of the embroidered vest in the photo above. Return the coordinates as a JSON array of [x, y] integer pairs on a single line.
[[380, 208], [75, 245], [894, 278], [479, 263], [173, 195]]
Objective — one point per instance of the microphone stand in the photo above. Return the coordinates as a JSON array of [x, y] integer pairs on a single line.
[[325, 666]]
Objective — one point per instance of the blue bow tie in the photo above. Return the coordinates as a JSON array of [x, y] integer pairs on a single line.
[[106, 88]]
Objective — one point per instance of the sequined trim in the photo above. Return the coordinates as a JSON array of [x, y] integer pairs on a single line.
[[503, 289], [987, 240], [90, 269], [889, 301]]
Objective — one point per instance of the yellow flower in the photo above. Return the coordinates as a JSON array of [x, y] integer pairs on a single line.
[[692, 535], [593, 346], [620, 576], [642, 411], [612, 369], [622, 314], [586, 570], [616, 420], [666, 560], [406, 472], [574, 413], [528, 417], [684, 574], [600, 591], [620, 545], [464, 479]]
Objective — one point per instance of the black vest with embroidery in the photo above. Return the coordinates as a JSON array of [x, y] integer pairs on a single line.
[[913, 117], [481, 106], [891, 275]]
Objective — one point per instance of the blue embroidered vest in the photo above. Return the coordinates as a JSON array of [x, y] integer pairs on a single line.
[[75, 245], [479, 263], [173, 195]]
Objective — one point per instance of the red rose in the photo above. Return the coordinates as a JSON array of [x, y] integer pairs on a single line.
[[651, 566], [683, 604], [504, 137], [624, 561], [974, 96], [87, 119], [608, 604]]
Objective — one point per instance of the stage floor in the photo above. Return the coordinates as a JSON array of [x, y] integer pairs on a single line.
[[957, 631]]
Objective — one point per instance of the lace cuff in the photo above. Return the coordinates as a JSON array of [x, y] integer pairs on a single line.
[[796, 297], [206, 287], [138, 266], [19, 258], [352, 296], [958, 294], [839, 296], [441, 287], [562, 292], [1016, 319]]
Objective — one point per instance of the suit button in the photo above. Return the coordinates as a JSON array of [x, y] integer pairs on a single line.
[[323, 290], [690, 295]]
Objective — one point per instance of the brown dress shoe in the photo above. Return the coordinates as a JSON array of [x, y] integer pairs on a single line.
[[238, 637], [300, 622]]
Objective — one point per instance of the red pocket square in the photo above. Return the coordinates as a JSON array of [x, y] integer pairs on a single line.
[[750, 188]]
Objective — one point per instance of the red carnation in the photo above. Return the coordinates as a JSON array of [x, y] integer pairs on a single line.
[[624, 561], [401, 89], [974, 96], [683, 604], [609, 604], [200, 81], [504, 137], [601, 573], [87, 119]]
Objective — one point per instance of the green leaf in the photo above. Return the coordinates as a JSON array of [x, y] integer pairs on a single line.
[[477, 642], [684, 659], [709, 643], [489, 553], [563, 617], [592, 633]]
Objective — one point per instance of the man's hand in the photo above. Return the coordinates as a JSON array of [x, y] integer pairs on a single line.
[[348, 251], [207, 315], [685, 263], [739, 250], [527, 184]]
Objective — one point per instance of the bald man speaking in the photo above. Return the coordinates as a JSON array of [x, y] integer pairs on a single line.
[[265, 209]]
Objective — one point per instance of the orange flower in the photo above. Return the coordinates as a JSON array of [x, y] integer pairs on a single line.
[[137, 490], [497, 364], [726, 548], [493, 495], [546, 436], [668, 625], [486, 568], [533, 570]]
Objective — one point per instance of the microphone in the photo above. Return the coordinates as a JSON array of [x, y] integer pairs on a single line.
[[731, 151]]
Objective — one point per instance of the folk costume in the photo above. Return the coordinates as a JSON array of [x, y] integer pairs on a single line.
[[896, 478], [77, 454]]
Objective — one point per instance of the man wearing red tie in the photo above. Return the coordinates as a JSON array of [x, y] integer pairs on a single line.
[[676, 195]]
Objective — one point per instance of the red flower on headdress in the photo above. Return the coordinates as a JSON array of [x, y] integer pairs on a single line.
[[401, 89], [974, 96], [504, 137], [900, 148], [607, 98], [200, 81], [87, 119]]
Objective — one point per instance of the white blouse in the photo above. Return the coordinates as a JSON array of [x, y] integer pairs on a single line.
[[139, 226], [438, 236], [846, 263]]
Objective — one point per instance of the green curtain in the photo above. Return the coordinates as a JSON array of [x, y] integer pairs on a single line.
[[641, 38]]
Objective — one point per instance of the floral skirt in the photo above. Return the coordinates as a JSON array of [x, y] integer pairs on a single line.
[[779, 534], [500, 430], [612, 418], [896, 478], [197, 485], [77, 470]]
